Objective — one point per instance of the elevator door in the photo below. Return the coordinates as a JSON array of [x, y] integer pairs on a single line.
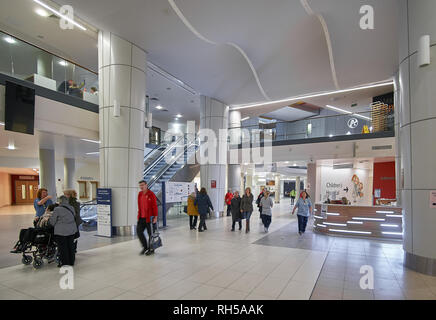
[[25, 191]]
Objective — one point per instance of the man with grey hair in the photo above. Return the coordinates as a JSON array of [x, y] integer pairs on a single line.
[[65, 229]]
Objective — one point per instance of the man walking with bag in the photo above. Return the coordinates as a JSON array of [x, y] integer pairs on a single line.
[[147, 214]]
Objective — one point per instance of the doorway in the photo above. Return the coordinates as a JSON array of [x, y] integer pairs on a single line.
[[25, 191], [94, 186]]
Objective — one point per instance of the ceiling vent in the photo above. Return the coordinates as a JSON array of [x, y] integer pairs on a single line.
[[387, 147], [343, 166]]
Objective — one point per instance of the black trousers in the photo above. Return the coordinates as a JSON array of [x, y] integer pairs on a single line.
[[193, 221], [229, 212], [292, 201], [141, 227], [302, 223], [67, 254], [202, 224], [234, 223]]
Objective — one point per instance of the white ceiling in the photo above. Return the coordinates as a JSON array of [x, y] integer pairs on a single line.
[[285, 45], [288, 114]]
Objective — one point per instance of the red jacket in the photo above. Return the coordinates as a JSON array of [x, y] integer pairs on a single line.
[[147, 205], [228, 198]]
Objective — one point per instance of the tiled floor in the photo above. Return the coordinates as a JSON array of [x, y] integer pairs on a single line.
[[219, 264]]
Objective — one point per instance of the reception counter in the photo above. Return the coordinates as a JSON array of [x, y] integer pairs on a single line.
[[359, 221]]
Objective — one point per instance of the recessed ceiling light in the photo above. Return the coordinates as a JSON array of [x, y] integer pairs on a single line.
[[179, 115], [159, 107], [41, 12], [10, 39], [176, 119], [42, 4]]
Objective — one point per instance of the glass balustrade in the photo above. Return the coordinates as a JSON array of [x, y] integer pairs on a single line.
[[24, 61], [363, 123]]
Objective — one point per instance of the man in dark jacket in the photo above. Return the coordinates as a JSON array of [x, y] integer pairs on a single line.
[[203, 202], [236, 210]]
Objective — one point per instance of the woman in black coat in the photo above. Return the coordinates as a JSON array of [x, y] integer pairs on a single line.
[[204, 204], [235, 207]]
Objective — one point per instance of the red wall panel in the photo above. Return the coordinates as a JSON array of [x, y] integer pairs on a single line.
[[384, 179]]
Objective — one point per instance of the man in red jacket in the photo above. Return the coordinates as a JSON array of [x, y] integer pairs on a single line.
[[147, 213], [228, 200]]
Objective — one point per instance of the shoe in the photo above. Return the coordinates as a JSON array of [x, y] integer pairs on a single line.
[[300, 233], [142, 251], [240, 228], [149, 252], [194, 228], [199, 230], [266, 229], [233, 229], [205, 228]]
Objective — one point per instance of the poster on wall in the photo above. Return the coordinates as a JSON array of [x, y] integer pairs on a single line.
[[433, 199], [104, 212], [213, 184], [178, 191]]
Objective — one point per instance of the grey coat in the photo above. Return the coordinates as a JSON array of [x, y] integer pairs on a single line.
[[63, 220], [247, 203], [267, 204]]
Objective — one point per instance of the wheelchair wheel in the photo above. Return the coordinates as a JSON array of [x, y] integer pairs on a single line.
[[26, 260], [38, 263]]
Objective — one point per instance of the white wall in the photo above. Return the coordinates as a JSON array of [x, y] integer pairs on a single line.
[[342, 179]]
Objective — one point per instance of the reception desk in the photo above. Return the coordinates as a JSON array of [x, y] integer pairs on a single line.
[[359, 221]]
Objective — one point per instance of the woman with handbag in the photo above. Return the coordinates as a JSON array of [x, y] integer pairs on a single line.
[[247, 208], [192, 211], [266, 203], [65, 229]]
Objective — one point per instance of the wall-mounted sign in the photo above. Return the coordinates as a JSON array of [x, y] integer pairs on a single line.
[[433, 199], [377, 193], [352, 123], [178, 191], [213, 184]]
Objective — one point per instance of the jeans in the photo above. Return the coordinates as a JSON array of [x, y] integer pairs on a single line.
[[302, 223], [292, 201], [202, 224], [66, 249], [140, 228], [266, 220], [193, 221]]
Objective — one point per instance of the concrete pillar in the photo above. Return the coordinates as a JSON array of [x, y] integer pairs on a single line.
[[214, 116], [69, 173], [311, 180], [297, 187], [278, 190], [417, 128], [47, 171], [122, 68], [234, 167]]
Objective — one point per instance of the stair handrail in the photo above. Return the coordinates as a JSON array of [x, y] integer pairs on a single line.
[[173, 160], [164, 153]]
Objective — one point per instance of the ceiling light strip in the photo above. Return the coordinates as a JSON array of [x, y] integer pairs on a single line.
[[200, 36], [60, 14], [312, 95]]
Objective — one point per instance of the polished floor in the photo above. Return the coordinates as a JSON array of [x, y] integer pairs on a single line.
[[219, 264]]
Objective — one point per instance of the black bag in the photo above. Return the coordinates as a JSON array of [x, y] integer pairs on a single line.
[[77, 234], [185, 209], [155, 239]]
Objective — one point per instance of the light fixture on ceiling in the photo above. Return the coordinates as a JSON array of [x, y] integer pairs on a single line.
[[159, 107], [176, 119], [92, 153], [294, 165], [246, 118], [10, 40], [60, 14], [63, 63], [41, 12], [179, 115], [314, 95], [88, 140], [347, 112]]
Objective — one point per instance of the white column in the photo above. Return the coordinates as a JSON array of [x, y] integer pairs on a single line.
[[278, 190], [69, 173], [47, 171], [297, 187], [234, 167], [122, 68], [214, 116], [417, 132]]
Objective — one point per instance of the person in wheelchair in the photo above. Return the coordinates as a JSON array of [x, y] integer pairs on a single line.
[[26, 235]]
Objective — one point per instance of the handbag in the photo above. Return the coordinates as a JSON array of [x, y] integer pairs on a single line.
[[155, 239], [185, 209]]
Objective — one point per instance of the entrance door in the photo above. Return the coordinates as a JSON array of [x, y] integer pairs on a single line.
[[25, 191]]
